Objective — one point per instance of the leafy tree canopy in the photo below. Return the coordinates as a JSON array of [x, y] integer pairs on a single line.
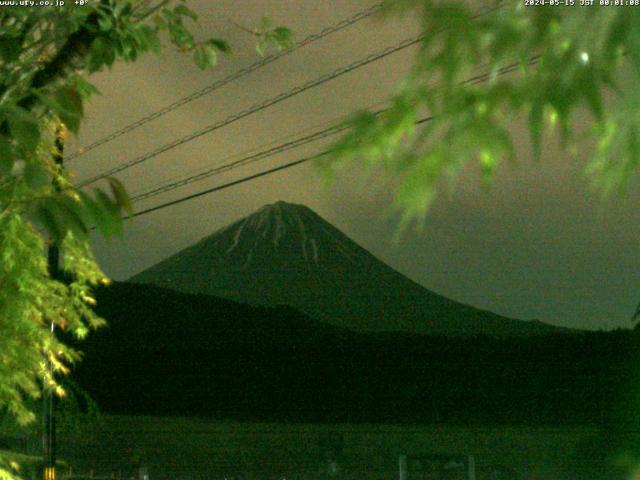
[[477, 70], [562, 59], [46, 56]]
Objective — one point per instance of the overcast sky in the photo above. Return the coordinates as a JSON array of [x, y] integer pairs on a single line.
[[538, 244]]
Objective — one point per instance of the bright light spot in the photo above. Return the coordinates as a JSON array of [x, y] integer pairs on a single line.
[[584, 57], [487, 160]]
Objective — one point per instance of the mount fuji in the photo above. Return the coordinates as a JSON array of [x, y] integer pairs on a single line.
[[286, 254]]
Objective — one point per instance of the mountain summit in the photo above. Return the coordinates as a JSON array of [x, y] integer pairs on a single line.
[[286, 254]]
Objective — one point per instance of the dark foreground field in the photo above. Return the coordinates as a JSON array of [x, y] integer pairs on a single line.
[[282, 393], [170, 354], [188, 448]]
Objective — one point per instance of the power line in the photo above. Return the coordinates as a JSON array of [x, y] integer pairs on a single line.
[[473, 80], [327, 132], [333, 129], [230, 78], [239, 181], [259, 107], [230, 184], [242, 180], [244, 156], [281, 97]]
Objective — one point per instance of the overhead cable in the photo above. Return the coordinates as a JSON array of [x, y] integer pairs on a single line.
[[295, 163], [258, 107], [283, 147], [361, 15]]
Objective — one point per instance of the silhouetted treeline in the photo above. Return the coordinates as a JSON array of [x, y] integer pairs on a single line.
[[168, 353]]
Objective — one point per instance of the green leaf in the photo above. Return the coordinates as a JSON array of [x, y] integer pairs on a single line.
[[591, 90], [283, 37], [25, 129], [488, 162], [126, 48], [185, 11], [105, 23], [536, 122], [71, 111], [36, 175], [180, 36], [46, 216], [97, 214], [75, 217], [112, 211], [200, 58], [6, 157], [59, 214], [120, 194], [148, 39], [211, 55], [205, 56], [416, 191], [101, 54], [122, 9], [85, 88], [219, 45], [9, 49]]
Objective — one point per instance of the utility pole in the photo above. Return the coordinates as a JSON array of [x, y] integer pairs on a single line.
[[48, 410]]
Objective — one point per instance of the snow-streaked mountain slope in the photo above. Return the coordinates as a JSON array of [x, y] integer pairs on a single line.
[[287, 254]]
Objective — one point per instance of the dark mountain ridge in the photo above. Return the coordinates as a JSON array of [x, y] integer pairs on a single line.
[[286, 254], [168, 353]]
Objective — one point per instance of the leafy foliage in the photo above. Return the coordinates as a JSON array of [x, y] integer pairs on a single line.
[[280, 37], [14, 466], [555, 67], [45, 57], [76, 413]]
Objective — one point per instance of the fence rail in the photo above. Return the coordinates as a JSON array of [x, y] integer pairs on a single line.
[[71, 475]]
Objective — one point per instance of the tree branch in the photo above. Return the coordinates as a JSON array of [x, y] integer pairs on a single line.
[[76, 46], [74, 49], [152, 10]]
